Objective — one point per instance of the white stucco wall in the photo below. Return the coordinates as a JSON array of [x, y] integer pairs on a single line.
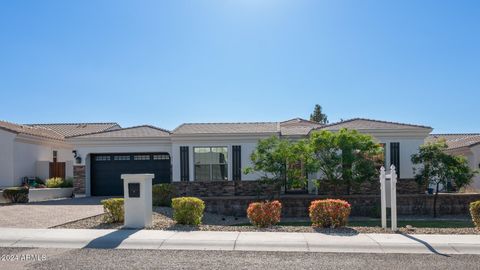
[[408, 147], [247, 147], [6, 158], [27, 153]]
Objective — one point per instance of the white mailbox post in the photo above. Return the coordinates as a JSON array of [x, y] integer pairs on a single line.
[[388, 196], [138, 200]]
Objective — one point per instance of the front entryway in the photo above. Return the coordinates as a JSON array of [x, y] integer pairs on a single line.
[[106, 170]]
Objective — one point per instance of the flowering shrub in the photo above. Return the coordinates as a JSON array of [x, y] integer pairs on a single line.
[[264, 214], [475, 212], [329, 213]]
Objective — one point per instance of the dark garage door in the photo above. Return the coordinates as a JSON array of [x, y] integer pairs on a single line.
[[107, 168]]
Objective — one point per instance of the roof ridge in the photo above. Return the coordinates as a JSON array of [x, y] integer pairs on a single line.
[[373, 120], [454, 134], [220, 123], [302, 119], [120, 129], [85, 123], [27, 127]]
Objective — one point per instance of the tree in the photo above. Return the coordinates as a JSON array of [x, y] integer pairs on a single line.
[[438, 167], [318, 116], [346, 157], [279, 160]]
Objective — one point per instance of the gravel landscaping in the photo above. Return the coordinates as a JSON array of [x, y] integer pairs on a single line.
[[162, 220]]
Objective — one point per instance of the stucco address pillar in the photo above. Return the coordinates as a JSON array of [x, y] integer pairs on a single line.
[[138, 200]]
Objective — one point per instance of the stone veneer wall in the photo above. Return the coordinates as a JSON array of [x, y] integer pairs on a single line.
[[79, 179], [362, 205], [404, 186], [225, 188]]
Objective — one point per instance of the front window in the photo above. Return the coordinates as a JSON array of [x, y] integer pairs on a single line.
[[210, 163]]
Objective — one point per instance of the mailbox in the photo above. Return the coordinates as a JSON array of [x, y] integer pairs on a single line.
[[138, 200], [134, 190]]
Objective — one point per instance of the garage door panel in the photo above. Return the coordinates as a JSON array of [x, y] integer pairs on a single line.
[[107, 169]]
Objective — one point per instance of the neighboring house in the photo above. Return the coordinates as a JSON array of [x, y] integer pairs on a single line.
[[467, 145], [212, 152], [35, 150]]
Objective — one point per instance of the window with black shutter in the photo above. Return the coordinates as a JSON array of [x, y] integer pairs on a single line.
[[184, 167], [237, 162], [395, 156]]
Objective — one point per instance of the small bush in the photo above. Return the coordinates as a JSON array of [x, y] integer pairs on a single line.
[[58, 182], [264, 214], [114, 210], [55, 182], [68, 183], [188, 210], [329, 213], [16, 194], [162, 194], [475, 212]]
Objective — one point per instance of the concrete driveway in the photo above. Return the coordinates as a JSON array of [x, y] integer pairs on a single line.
[[50, 213]]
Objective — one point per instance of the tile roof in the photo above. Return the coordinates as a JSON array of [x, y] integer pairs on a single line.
[[227, 128], [297, 126], [456, 140], [29, 130], [146, 131], [75, 129], [362, 123]]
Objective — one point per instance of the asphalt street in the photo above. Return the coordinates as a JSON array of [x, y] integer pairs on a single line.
[[23, 258]]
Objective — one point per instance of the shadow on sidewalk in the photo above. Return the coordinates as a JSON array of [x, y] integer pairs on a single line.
[[427, 245], [111, 240]]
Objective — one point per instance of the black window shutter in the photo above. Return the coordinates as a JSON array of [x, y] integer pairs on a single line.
[[184, 167], [237, 162], [395, 156]]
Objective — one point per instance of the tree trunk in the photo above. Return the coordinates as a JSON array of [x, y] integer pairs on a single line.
[[435, 201]]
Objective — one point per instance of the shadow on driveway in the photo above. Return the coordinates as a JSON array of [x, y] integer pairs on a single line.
[[111, 240]]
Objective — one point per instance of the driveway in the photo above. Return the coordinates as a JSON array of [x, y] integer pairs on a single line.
[[50, 213]]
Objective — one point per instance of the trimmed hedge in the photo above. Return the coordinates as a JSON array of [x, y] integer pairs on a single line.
[[264, 214], [16, 194], [162, 194], [475, 212], [114, 210], [188, 210], [329, 213]]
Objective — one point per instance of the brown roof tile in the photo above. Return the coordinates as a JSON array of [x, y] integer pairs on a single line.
[[362, 123], [146, 131], [76, 129], [29, 130], [456, 140], [227, 128]]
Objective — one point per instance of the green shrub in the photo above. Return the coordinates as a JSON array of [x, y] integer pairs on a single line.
[[16, 194], [162, 194], [475, 212], [329, 213], [114, 210], [188, 210], [58, 182], [68, 183]]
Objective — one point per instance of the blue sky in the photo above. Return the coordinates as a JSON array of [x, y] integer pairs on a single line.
[[169, 62]]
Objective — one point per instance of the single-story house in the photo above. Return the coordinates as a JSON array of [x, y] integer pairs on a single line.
[[209, 153], [467, 145], [39, 150]]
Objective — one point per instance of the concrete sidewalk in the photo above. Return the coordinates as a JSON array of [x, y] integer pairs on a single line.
[[245, 241]]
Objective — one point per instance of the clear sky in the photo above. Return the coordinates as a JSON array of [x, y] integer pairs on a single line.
[[168, 62]]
